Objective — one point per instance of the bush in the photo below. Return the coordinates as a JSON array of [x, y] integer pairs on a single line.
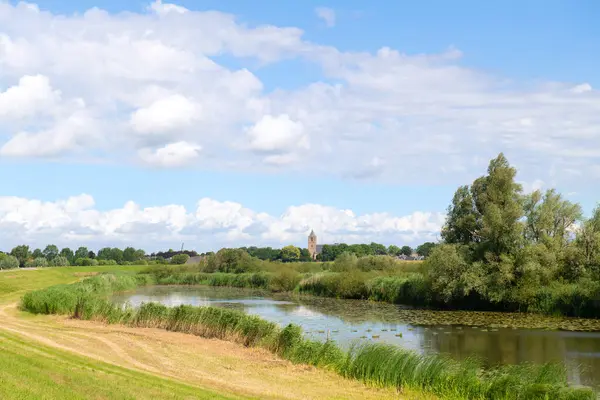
[[284, 281], [39, 262], [9, 262], [59, 261], [86, 262], [107, 262], [179, 259]]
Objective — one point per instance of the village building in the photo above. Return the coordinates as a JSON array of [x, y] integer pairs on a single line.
[[314, 249]]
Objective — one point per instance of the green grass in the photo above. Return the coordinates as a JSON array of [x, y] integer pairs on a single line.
[[379, 365], [32, 371]]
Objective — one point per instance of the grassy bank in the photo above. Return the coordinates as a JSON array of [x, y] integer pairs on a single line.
[[29, 370], [378, 365]]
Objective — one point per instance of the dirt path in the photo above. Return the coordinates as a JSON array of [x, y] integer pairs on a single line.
[[210, 363]]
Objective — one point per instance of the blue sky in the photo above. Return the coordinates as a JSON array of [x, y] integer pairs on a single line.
[[409, 159]]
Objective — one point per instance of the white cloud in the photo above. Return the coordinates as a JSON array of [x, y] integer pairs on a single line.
[[32, 95], [276, 134], [172, 155], [212, 225], [164, 115], [327, 15], [155, 78]]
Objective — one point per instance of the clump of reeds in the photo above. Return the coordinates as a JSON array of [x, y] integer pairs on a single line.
[[374, 364]]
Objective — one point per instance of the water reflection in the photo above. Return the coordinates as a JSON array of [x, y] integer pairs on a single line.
[[348, 321]]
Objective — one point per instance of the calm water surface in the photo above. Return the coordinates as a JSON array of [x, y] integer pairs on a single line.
[[346, 321]]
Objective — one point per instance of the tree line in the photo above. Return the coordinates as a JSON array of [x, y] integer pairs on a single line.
[[503, 248]]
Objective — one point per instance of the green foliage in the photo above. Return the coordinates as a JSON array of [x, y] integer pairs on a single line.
[[81, 252], [9, 262], [290, 254], [22, 253], [60, 261], [425, 249], [39, 262], [50, 252], [406, 250], [86, 262], [179, 259]]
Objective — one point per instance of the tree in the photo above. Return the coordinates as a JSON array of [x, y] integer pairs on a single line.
[[462, 222], [50, 252], [139, 255], [425, 249], [22, 254], [68, 254], [37, 253], [549, 218], [290, 253], [406, 250], [378, 249], [81, 252], [129, 254], [394, 250], [116, 254], [39, 262], [104, 253], [499, 202], [91, 254]]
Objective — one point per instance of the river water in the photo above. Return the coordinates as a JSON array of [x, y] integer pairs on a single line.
[[347, 321]]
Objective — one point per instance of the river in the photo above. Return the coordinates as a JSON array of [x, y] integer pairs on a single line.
[[346, 321]]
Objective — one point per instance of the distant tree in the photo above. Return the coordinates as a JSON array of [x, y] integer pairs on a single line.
[[50, 252], [39, 262], [378, 249], [91, 254], [394, 250], [290, 253], [305, 255], [104, 253], [129, 254], [139, 255], [22, 253], [81, 252], [60, 261], [116, 254], [37, 253], [68, 254], [406, 250], [180, 259], [9, 262], [425, 249]]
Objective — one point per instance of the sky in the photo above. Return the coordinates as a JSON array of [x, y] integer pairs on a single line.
[[231, 123]]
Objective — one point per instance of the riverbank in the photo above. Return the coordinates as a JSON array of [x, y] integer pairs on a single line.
[[391, 289], [63, 358], [374, 364]]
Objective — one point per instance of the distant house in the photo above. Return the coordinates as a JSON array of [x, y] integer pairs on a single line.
[[412, 257]]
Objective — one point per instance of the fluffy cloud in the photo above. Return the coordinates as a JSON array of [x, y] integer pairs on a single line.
[[165, 115], [327, 15], [172, 75], [277, 134], [213, 224]]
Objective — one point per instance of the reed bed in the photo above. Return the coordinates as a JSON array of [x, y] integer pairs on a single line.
[[373, 364]]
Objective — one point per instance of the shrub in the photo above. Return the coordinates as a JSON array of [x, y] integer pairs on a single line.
[[9, 262], [59, 261], [39, 262], [107, 262], [284, 281], [86, 262], [179, 259]]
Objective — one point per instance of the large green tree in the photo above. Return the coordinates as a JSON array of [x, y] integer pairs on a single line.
[[22, 254], [50, 252], [81, 252]]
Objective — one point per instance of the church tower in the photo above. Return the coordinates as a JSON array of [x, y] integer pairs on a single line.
[[312, 245]]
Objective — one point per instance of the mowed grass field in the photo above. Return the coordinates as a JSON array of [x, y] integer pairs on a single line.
[[52, 357]]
